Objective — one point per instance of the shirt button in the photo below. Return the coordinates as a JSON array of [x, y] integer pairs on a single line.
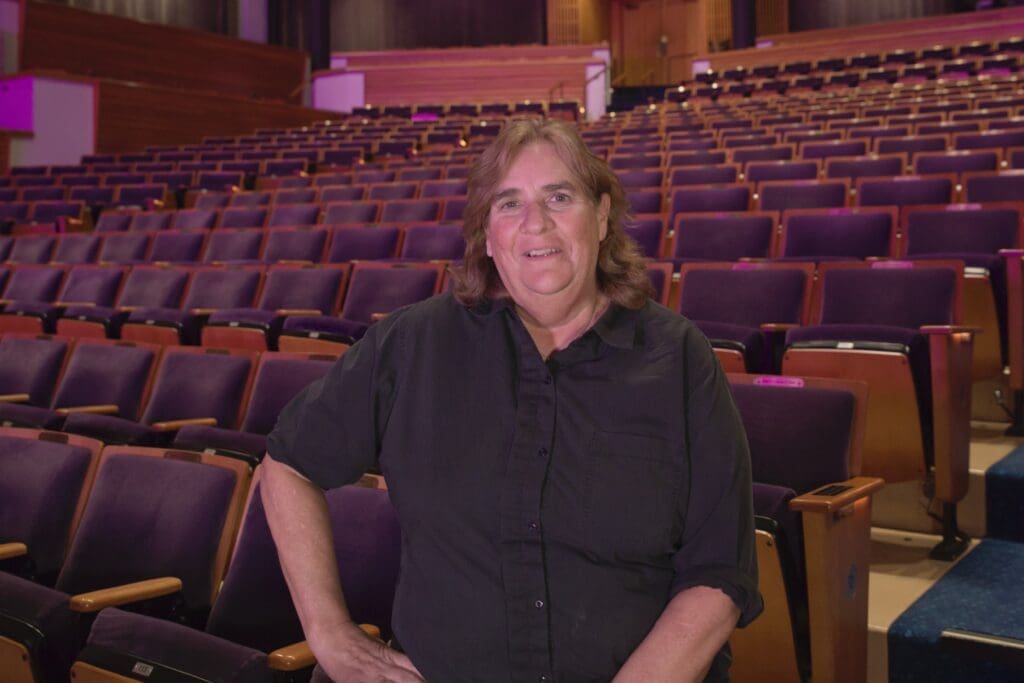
[[542, 452], [539, 604], [533, 526], [547, 380], [545, 679]]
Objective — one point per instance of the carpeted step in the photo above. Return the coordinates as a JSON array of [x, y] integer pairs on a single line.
[[982, 595], [1004, 504]]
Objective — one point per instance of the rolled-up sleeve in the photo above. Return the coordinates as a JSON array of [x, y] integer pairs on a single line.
[[717, 545], [330, 432]]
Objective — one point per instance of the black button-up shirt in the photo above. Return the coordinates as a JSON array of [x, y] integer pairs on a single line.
[[549, 510]]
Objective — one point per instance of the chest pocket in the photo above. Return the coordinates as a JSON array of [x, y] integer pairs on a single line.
[[633, 496]]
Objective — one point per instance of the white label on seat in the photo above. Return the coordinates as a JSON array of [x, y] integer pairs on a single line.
[[844, 345], [142, 669]]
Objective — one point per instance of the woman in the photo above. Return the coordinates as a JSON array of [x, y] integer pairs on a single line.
[[569, 471]]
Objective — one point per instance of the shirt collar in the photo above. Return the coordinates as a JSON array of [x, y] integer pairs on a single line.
[[618, 326]]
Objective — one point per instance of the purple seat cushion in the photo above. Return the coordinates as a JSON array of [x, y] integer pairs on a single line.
[[110, 429], [23, 415], [46, 609], [325, 325], [253, 317], [178, 647]]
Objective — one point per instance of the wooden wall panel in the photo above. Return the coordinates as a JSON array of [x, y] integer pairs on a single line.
[[359, 59], [135, 116], [79, 42], [637, 28], [563, 22], [477, 82]]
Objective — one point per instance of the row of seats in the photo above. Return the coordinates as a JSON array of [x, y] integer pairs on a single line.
[[167, 519], [245, 306]]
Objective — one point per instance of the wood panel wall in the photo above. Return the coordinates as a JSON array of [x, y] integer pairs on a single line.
[[359, 59], [477, 81], [134, 116], [75, 41], [636, 28]]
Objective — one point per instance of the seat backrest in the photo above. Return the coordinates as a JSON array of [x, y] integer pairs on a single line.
[[351, 212], [34, 283], [87, 284], [44, 477], [748, 297], [356, 243], [962, 229], [200, 382], [723, 236], [433, 242], [222, 288], [107, 372], [31, 249], [293, 214], [902, 190], [279, 377], [177, 246], [124, 247], [243, 217], [837, 233], [155, 513], [152, 286], [367, 546], [291, 244], [76, 247], [778, 195], [406, 210], [31, 365], [899, 297], [319, 288], [375, 290], [648, 231], [150, 220], [226, 244]]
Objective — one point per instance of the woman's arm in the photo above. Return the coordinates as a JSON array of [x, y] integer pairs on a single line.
[[301, 526], [681, 646]]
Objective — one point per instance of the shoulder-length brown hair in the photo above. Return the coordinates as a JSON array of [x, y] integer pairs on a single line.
[[621, 270]]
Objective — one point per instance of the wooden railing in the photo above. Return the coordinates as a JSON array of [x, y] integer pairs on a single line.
[[476, 54], [75, 41]]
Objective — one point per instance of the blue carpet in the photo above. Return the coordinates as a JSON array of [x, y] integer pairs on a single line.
[[982, 593], [1004, 498]]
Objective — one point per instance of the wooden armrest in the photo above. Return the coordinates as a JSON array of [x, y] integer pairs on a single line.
[[4, 302], [103, 409], [291, 657], [174, 425], [852, 490], [203, 311], [298, 655], [127, 309], [295, 262], [65, 304], [14, 398], [298, 311], [120, 595], [949, 329], [9, 550], [377, 317], [777, 327]]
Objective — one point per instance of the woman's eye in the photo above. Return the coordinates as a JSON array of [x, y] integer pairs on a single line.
[[560, 197]]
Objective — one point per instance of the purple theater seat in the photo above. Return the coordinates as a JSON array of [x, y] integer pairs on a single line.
[[210, 289], [146, 517], [436, 189], [723, 236], [145, 286], [636, 179], [396, 190], [287, 215], [150, 220], [30, 366], [1007, 186], [243, 628], [357, 243], [911, 144], [243, 217], [710, 198], [731, 305], [433, 242], [287, 289], [234, 246], [990, 139], [141, 195], [772, 153], [193, 219], [34, 283], [217, 200], [84, 284], [956, 162], [351, 212], [295, 244], [342, 193], [279, 377], [372, 291], [377, 176], [191, 383], [419, 174], [645, 201], [409, 210], [782, 170], [837, 234], [904, 190], [856, 167], [699, 158], [702, 175], [75, 248], [31, 249], [98, 373], [42, 478], [177, 246], [648, 232], [779, 195], [39, 194]]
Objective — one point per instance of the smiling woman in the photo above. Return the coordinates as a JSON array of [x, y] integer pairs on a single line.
[[570, 474]]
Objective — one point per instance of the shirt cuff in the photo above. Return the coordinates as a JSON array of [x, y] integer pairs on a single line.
[[740, 587]]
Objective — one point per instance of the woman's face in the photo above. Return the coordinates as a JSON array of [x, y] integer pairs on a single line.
[[544, 231]]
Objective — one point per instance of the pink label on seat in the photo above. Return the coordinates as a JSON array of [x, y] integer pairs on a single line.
[[778, 381], [892, 264]]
